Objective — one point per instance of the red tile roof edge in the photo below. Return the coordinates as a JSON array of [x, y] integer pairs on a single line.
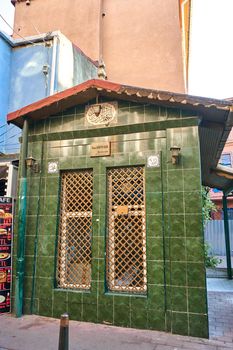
[[149, 94], [61, 95]]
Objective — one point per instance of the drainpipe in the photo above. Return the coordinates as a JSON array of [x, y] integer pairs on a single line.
[[227, 238], [21, 225], [53, 66]]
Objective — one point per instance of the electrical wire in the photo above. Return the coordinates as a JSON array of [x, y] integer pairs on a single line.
[[7, 131], [10, 137], [29, 41], [2, 126]]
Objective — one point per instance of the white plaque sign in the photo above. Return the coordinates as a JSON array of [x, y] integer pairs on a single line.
[[52, 167], [153, 161]]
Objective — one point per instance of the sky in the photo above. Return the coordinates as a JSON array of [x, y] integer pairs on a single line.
[[211, 48], [7, 11]]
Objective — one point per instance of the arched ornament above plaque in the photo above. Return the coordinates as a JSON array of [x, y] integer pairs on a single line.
[[101, 113]]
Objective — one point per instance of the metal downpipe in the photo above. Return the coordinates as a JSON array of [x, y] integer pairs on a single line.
[[19, 287], [227, 237]]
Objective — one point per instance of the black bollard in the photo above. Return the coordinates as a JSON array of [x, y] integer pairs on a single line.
[[64, 333]]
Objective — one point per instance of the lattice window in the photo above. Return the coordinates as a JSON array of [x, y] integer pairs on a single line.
[[126, 243], [74, 245]]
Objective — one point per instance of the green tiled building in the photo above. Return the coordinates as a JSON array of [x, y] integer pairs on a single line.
[[114, 230]]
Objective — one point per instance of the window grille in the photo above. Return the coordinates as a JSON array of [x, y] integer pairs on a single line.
[[74, 244], [126, 243]]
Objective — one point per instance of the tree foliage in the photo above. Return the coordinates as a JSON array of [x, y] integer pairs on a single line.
[[207, 205]]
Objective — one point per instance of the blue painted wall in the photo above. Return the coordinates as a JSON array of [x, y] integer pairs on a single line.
[[5, 72], [28, 82], [22, 80]]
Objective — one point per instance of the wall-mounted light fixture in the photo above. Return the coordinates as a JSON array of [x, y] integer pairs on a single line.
[[28, 2], [32, 164], [175, 154]]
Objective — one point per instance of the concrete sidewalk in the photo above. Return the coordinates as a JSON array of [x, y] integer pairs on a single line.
[[35, 332]]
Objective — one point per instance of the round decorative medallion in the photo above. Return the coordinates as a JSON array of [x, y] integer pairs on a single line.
[[103, 113], [153, 161]]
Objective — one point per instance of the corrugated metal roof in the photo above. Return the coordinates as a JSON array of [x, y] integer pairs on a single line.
[[216, 116]]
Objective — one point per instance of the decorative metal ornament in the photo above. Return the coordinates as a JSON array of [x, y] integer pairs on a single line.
[[153, 161], [101, 113]]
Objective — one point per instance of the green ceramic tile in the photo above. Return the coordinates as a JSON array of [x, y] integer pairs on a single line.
[[47, 245], [45, 307], [195, 249], [176, 225], [49, 225], [193, 202], [154, 225], [192, 180], [175, 204], [28, 287], [177, 249], [173, 113], [89, 298], [179, 299], [198, 326], [153, 181], [44, 287], [121, 315], [121, 300], [94, 268], [101, 269], [101, 247], [89, 313], [94, 247], [194, 225], [32, 203], [139, 318], [59, 308], [26, 306], [197, 300], [29, 245], [196, 274], [51, 205], [75, 297], [29, 262], [190, 157], [152, 113], [158, 273], [175, 180], [178, 273], [52, 186], [179, 323], [190, 136], [75, 311], [105, 313], [153, 203], [156, 297], [95, 226], [155, 248], [46, 266], [138, 302], [55, 124], [156, 320], [65, 163], [123, 104]]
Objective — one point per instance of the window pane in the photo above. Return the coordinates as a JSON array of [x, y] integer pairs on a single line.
[[74, 245], [126, 243], [225, 159]]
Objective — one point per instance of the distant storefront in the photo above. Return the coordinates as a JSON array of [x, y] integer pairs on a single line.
[[114, 209]]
